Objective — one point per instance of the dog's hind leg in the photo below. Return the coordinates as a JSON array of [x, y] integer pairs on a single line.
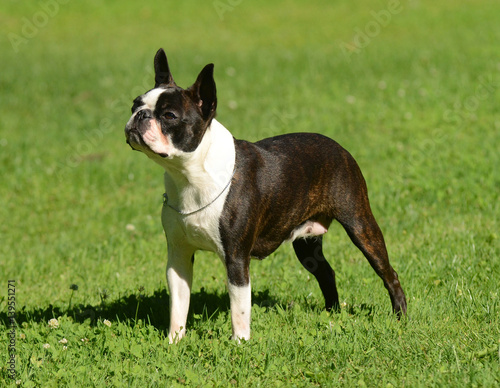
[[367, 236], [309, 251]]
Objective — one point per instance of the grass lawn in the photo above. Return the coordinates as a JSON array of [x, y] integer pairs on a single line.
[[410, 88]]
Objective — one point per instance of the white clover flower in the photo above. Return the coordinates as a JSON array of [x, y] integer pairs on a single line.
[[46, 346], [65, 348], [53, 323], [107, 323], [63, 341]]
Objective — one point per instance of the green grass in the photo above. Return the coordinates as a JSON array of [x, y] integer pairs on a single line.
[[417, 106]]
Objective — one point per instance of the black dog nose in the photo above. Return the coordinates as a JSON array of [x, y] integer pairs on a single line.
[[144, 114]]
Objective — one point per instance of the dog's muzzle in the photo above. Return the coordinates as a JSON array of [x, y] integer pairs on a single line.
[[144, 114]]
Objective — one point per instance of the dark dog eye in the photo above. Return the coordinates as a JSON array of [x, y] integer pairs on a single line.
[[170, 115]]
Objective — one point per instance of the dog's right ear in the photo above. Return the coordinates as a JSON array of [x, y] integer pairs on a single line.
[[162, 72], [204, 92]]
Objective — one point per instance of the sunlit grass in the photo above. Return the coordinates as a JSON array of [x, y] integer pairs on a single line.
[[416, 106]]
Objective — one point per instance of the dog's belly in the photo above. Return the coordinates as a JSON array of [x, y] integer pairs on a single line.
[[308, 229], [268, 243]]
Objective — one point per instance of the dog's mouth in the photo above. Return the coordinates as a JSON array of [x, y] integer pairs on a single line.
[[130, 144], [133, 137], [143, 146]]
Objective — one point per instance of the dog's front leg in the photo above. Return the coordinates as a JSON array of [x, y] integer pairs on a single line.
[[240, 296], [180, 279]]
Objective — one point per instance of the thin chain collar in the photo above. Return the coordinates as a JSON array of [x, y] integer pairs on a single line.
[[184, 213]]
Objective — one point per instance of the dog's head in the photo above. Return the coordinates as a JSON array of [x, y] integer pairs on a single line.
[[168, 121]]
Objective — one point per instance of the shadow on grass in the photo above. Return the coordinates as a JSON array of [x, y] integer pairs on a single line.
[[151, 309], [362, 310]]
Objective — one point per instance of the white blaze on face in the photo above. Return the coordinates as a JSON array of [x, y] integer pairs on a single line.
[[153, 137], [151, 98]]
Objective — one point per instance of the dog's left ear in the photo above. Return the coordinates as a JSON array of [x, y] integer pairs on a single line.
[[204, 92], [162, 71]]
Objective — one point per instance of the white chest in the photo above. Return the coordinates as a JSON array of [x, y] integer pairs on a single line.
[[197, 191], [199, 230]]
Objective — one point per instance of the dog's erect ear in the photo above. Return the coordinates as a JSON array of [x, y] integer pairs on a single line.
[[205, 93], [162, 72]]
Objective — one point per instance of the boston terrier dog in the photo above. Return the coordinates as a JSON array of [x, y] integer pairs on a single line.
[[242, 200]]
